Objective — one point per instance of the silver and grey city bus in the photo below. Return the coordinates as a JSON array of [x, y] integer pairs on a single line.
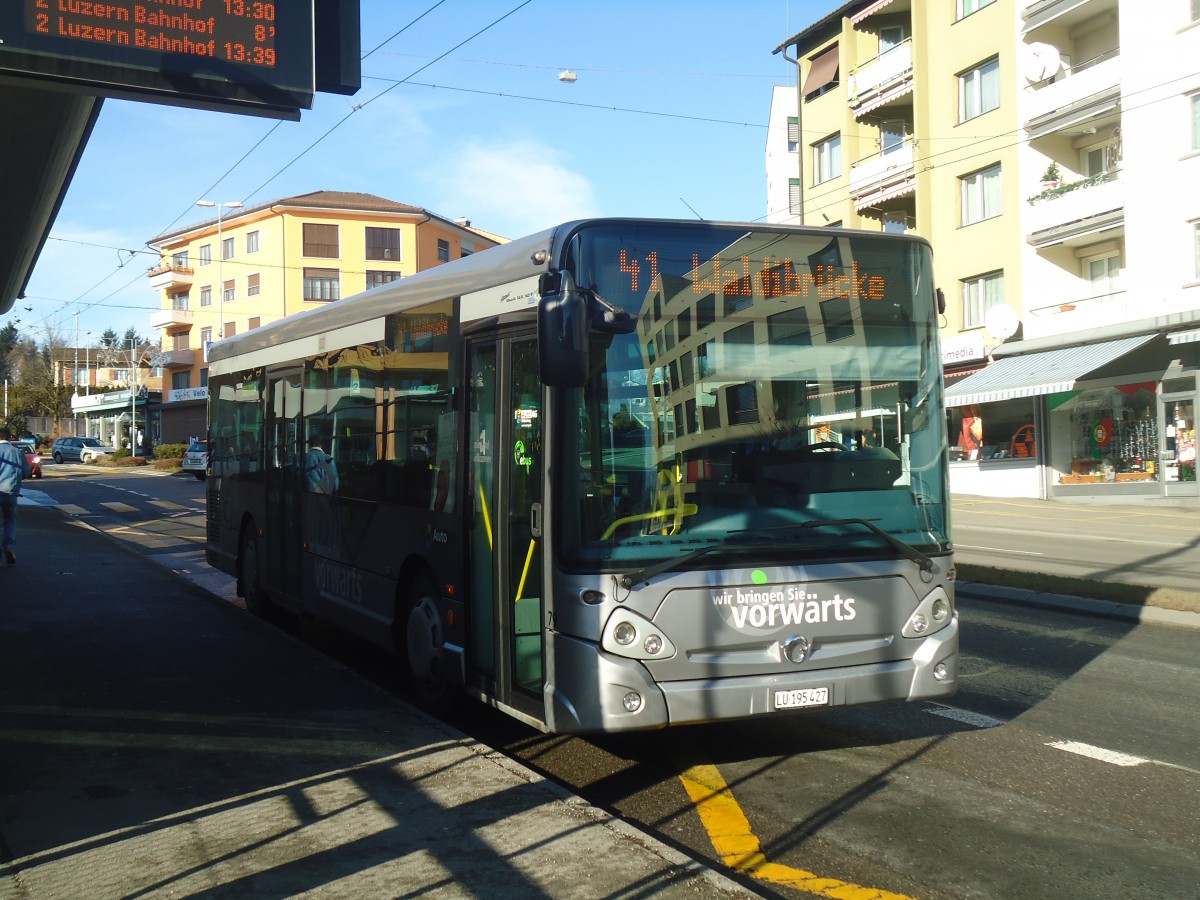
[[621, 474]]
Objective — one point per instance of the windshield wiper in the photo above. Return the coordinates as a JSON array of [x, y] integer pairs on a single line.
[[906, 550], [641, 576]]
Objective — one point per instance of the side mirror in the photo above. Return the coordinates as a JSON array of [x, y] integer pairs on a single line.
[[562, 323]]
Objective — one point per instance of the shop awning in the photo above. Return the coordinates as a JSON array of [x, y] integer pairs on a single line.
[[1035, 374]]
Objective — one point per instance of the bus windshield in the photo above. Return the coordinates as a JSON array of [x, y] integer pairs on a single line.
[[774, 380]]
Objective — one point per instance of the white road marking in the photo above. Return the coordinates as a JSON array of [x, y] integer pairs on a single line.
[[967, 718], [1108, 756]]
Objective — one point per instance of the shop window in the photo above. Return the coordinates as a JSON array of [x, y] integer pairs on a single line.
[[1180, 464], [993, 431], [1106, 435]]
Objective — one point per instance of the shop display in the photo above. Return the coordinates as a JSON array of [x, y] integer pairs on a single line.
[[1114, 436], [1181, 442]]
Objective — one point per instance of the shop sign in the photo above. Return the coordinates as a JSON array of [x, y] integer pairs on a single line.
[[182, 395], [962, 348], [109, 398]]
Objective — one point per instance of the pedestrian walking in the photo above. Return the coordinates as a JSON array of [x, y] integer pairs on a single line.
[[13, 467]]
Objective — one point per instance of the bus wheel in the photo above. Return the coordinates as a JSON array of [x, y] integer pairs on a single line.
[[250, 574], [423, 641]]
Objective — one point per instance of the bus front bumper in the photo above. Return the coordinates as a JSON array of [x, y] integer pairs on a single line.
[[597, 696]]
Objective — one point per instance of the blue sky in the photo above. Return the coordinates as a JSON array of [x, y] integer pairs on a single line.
[[668, 114]]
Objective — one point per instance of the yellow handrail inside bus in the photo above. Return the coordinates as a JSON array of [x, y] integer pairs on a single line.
[[487, 520], [525, 571], [684, 509]]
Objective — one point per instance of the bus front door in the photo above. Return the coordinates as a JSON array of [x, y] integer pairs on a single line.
[[282, 488], [506, 603]]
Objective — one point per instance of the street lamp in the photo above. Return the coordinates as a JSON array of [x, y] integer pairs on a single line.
[[230, 204]]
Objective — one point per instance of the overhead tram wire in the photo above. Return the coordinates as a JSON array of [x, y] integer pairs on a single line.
[[270, 131], [837, 196], [358, 107]]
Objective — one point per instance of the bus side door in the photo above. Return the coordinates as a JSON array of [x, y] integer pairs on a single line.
[[504, 508], [282, 487]]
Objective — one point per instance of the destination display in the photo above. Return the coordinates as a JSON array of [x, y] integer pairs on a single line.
[[211, 52]]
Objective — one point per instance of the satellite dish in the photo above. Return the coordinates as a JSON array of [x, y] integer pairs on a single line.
[[1041, 61], [1001, 322]]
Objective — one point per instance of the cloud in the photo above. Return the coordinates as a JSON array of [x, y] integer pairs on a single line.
[[512, 188]]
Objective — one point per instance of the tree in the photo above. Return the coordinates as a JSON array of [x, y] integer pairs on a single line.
[[8, 340], [132, 338]]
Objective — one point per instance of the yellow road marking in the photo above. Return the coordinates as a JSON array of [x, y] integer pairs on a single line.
[[117, 506], [729, 830]]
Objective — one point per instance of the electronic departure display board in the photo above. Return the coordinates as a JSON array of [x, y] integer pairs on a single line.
[[225, 54]]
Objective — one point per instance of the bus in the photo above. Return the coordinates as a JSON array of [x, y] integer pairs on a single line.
[[621, 474]]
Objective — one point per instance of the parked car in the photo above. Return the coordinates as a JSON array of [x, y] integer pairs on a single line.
[[195, 459], [79, 449], [31, 454]]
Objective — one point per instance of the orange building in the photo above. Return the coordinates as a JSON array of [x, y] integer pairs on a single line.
[[251, 265]]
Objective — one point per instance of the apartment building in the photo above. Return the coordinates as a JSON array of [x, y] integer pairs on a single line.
[[251, 265], [1050, 152]]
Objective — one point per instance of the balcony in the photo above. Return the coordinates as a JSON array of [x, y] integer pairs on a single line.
[[1062, 14], [169, 277], [881, 80], [177, 315], [882, 176], [1085, 95], [175, 359], [1080, 215], [1085, 310]]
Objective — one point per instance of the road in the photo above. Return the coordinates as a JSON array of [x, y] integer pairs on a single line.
[[1068, 763], [1142, 545]]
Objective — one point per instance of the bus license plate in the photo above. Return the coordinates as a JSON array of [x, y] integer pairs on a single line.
[[806, 697]]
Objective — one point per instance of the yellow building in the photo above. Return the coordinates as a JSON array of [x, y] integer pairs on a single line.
[[1029, 141], [252, 265], [904, 124]]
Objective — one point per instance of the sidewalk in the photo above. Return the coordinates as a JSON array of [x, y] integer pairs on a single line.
[[156, 741]]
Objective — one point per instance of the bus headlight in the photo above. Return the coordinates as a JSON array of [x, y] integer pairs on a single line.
[[633, 636], [932, 614]]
